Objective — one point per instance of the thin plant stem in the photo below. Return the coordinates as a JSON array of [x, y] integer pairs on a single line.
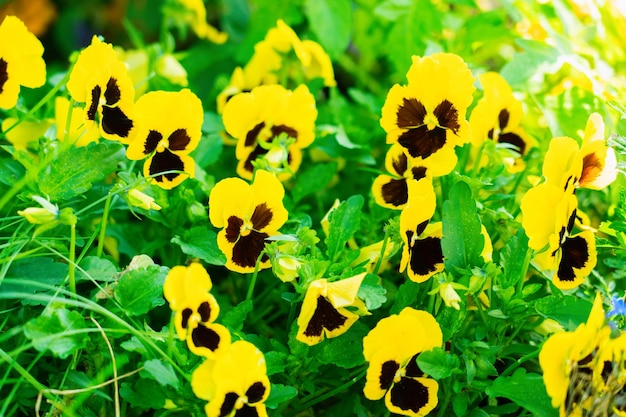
[[72, 258], [254, 277], [103, 225]]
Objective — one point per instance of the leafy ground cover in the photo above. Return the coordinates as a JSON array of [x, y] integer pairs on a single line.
[[312, 207]]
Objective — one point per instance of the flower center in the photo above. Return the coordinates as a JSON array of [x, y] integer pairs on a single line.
[[241, 401], [162, 145], [246, 228], [431, 121]]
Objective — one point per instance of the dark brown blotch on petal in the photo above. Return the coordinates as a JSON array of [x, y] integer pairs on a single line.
[[165, 161], [387, 374], [153, 139], [95, 99], [400, 164], [178, 140], [233, 228], [514, 140], [592, 166], [115, 122], [112, 93], [290, 132], [412, 369], [410, 113], [4, 74], [409, 394], [418, 173], [395, 192], [253, 133], [426, 255], [574, 255], [205, 337], [205, 311], [261, 217], [256, 392], [325, 316], [229, 404], [421, 142], [503, 118], [185, 317], [247, 249], [448, 116]]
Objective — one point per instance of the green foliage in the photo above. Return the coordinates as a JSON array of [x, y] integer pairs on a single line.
[[526, 390], [140, 290], [462, 241], [73, 171], [58, 330]]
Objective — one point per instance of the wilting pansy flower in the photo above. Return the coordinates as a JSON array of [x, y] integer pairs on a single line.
[[101, 81], [186, 288], [169, 128], [599, 161], [247, 214], [422, 256], [497, 116], [235, 383], [567, 358], [26, 132], [427, 116], [21, 61], [258, 119], [192, 13], [392, 348], [325, 309]]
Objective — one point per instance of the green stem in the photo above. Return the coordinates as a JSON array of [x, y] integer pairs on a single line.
[[382, 251], [520, 361], [103, 225], [318, 399], [72, 258], [255, 274]]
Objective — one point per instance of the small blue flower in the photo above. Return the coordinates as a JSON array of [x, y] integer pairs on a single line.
[[619, 307]]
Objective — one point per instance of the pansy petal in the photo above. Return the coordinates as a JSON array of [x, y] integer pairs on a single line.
[[208, 340], [578, 258], [168, 169], [415, 397]]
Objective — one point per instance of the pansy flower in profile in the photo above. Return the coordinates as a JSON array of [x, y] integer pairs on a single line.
[[325, 310], [247, 214], [568, 358], [497, 116], [168, 129], [422, 256], [599, 167], [392, 348], [21, 61], [101, 81], [548, 217], [186, 288], [24, 133], [271, 123], [427, 116], [235, 383]]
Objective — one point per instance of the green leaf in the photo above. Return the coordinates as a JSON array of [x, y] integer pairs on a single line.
[[346, 350], [201, 242], [331, 21], [140, 290], [98, 269], [162, 372], [276, 362], [236, 316], [535, 57], [134, 345], [313, 179], [526, 390], [568, 310], [145, 393], [372, 292], [73, 171], [406, 295], [278, 394], [438, 363], [55, 331], [344, 222], [514, 259], [462, 241]]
